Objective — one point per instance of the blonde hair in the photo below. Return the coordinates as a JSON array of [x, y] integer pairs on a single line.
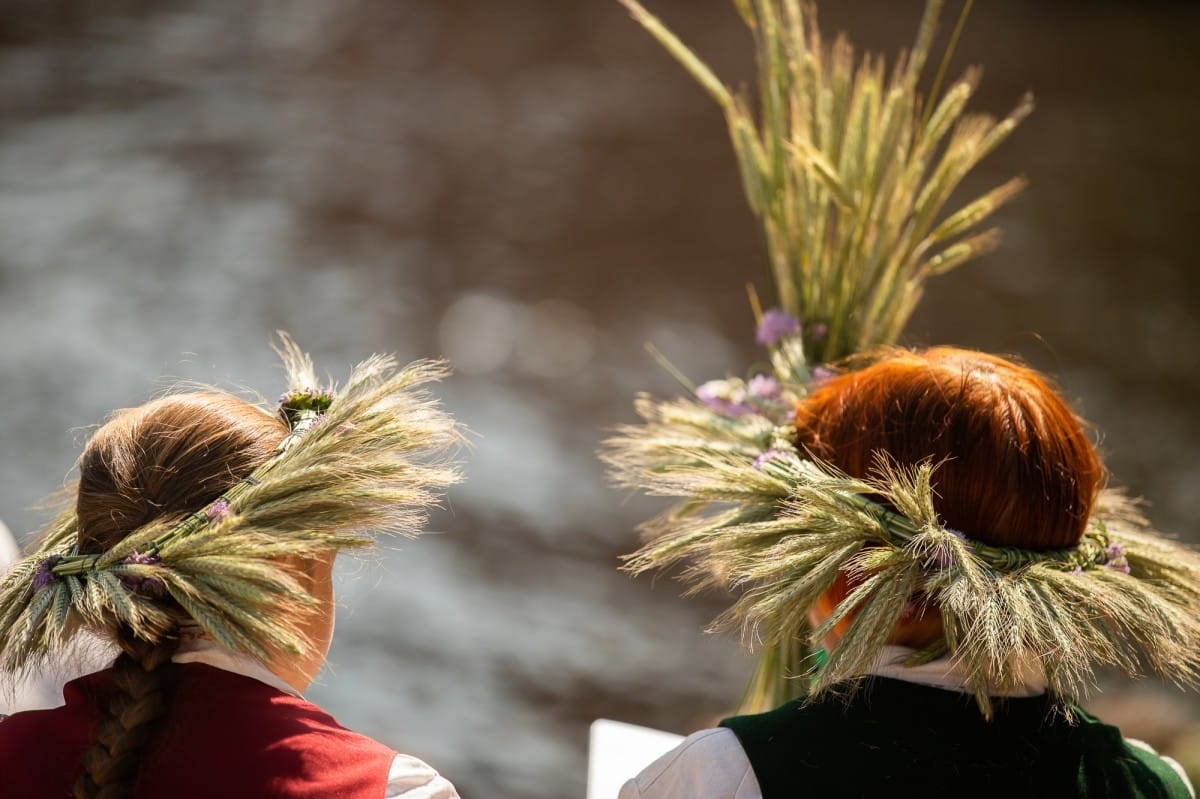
[[199, 506], [162, 460]]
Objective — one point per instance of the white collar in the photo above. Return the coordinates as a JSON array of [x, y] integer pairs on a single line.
[[951, 674], [202, 649]]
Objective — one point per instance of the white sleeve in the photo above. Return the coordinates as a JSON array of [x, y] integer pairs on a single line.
[[709, 764], [10, 553], [411, 778]]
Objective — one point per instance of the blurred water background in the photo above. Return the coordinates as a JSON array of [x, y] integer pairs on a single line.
[[532, 189]]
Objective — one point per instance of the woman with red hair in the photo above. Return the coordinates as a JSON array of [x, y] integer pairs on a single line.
[[939, 519]]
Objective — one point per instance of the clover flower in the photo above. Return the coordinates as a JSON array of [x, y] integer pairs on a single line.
[[302, 407], [44, 576], [1116, 558], [724, 396], [770, 455], [307, 397], [775, 326], [217, 511], [820, 375], [143, 586], [763, 387]]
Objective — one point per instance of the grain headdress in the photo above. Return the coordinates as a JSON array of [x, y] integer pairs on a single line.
[[366, 458], [849, 168]]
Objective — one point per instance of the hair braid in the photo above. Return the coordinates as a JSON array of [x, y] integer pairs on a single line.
[[166, 458], [141, 679]]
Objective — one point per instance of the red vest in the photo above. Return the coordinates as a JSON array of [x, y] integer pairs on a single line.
[[224, 735]]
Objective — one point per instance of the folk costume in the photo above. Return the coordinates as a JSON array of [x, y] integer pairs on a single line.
[[912, 731], [212, 599], [848, 169], [225, 709]]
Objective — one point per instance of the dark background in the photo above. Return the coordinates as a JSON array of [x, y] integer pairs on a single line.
[[534, 190]]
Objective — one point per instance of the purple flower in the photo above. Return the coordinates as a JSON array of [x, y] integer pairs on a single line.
[[217, 511], [730, 408], [308, 397], [43, 576], [143, 586], [144, 560], [1077, 571], [820, 374], [776, 325], [771, 455], [304, 405], [818, 331], [763, 387], [1116, 558], [724, 396]]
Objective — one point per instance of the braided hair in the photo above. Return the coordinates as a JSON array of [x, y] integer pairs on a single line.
[[162, 460]]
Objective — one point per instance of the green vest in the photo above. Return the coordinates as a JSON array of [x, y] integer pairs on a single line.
[[896, 738]]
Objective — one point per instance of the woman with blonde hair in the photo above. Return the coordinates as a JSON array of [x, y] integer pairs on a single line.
[[201, 541]]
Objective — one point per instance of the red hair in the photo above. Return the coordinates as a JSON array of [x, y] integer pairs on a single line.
[[1017, 466]]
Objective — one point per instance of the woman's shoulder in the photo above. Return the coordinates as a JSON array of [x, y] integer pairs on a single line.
[[29, 764], [236, 707], [265, 734]]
